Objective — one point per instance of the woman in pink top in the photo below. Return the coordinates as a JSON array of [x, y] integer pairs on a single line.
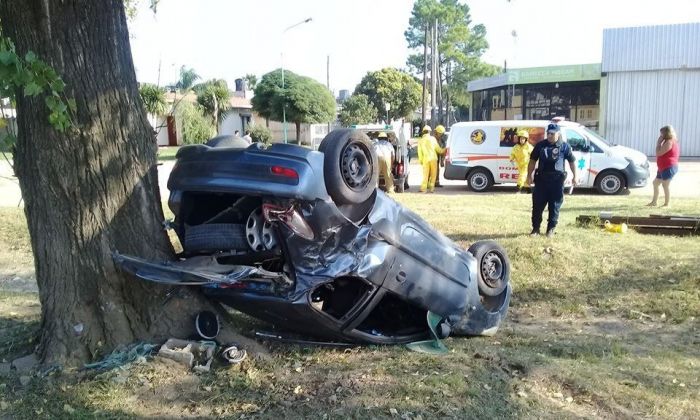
[[667, 153]]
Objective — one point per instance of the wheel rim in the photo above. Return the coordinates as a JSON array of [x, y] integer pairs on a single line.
[[610, 184], [492, 269], [356, 166], [258, 232], [479, 181]]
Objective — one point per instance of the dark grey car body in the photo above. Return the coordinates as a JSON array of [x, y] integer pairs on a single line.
[[356, 273]]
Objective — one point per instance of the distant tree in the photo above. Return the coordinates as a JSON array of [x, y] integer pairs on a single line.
[[357, 109], [305, 100], [392, 86], [266, 91], [153, 98], [251, 81], [196, 127], [187, 78], [213, 95], [460, 45], [260, 133]]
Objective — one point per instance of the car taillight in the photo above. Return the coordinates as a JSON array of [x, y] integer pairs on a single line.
[[399, 169], [447, 156], [285, 172], [290, 217]]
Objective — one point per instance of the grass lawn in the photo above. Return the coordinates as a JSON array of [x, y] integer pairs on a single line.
[[167, 153], [601, 325]]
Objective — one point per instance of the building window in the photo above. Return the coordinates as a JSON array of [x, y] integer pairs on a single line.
[[537, 97]]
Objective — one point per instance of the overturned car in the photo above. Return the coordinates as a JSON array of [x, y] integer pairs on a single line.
[[302, 239]]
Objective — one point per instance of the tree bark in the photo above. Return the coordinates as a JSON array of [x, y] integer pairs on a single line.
[[92, 190], [298, 127]]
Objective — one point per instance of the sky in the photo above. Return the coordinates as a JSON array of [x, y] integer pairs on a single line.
[[227, 39]]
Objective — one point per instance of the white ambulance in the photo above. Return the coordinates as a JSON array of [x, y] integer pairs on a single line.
[[479, 152]]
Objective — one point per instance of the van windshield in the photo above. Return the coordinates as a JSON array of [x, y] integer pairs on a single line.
[[597, 137]]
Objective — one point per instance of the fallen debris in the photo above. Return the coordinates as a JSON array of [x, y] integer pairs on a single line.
[[653, 224], [233, 355], [25, 364], [193, 354], [122, 356]]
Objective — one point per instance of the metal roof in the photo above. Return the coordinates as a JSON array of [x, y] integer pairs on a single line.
[[651, 48], [530, 75]]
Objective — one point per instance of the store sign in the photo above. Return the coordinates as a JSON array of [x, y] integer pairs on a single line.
[[554, 74]]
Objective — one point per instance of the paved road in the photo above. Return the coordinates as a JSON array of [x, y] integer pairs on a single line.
[[685, 184]]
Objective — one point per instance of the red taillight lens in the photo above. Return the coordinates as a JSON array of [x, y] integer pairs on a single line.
[[447, 156], [399, 169], [285, 172], [290, 217]]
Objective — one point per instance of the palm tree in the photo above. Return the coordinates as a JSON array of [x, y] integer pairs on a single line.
[[187, 79], [251, 81], [213, 95], [153, 98]]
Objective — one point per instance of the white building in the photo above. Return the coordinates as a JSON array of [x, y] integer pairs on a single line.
[[652, 78]]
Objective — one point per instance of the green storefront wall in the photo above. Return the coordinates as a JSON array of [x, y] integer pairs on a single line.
[[575, 73]]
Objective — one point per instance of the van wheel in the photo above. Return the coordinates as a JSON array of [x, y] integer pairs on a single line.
[[350, 167], [480, 180], [610, 183]]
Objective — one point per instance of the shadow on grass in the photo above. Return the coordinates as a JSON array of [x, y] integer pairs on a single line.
[[516, 374], [17, 337]]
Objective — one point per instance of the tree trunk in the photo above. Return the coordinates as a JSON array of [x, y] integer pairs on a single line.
[[92, 190], [298, 125]]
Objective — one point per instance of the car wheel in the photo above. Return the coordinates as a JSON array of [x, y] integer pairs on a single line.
[[493, 267], [350, 167], [479, 180], [610, 183]]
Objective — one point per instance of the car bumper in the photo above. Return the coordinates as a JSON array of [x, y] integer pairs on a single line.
[[456, 171], [637, 176]]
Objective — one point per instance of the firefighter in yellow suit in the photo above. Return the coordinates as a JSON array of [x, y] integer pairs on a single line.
[[428, 151], [520, 156]]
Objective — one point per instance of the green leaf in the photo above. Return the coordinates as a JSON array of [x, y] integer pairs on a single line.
[[32, 89], [57, 85], [30, 57], [7, 57], [71, 105]]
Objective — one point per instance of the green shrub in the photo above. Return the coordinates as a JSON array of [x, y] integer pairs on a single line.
[[260, 133], [196, 128]]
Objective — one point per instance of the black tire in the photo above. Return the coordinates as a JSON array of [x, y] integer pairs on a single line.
[[610, 182], [215, 237], [480, 180], [493, 272], [405, 184], [400, 186], [350, 166]]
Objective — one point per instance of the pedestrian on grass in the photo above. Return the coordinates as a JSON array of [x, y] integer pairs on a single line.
[[549, 155], [667, 153], [520, 156]]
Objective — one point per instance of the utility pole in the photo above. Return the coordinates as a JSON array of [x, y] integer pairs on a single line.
[[433, 75], [425, 74], [328, 83]]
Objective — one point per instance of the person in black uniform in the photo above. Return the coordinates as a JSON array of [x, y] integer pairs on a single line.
[[549, 178]]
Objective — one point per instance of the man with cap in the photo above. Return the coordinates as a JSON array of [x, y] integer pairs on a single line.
[[428, 151], [440, 137], [549, 155], [385, 156]]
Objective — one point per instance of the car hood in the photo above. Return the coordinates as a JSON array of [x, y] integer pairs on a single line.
[[636, 156]]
